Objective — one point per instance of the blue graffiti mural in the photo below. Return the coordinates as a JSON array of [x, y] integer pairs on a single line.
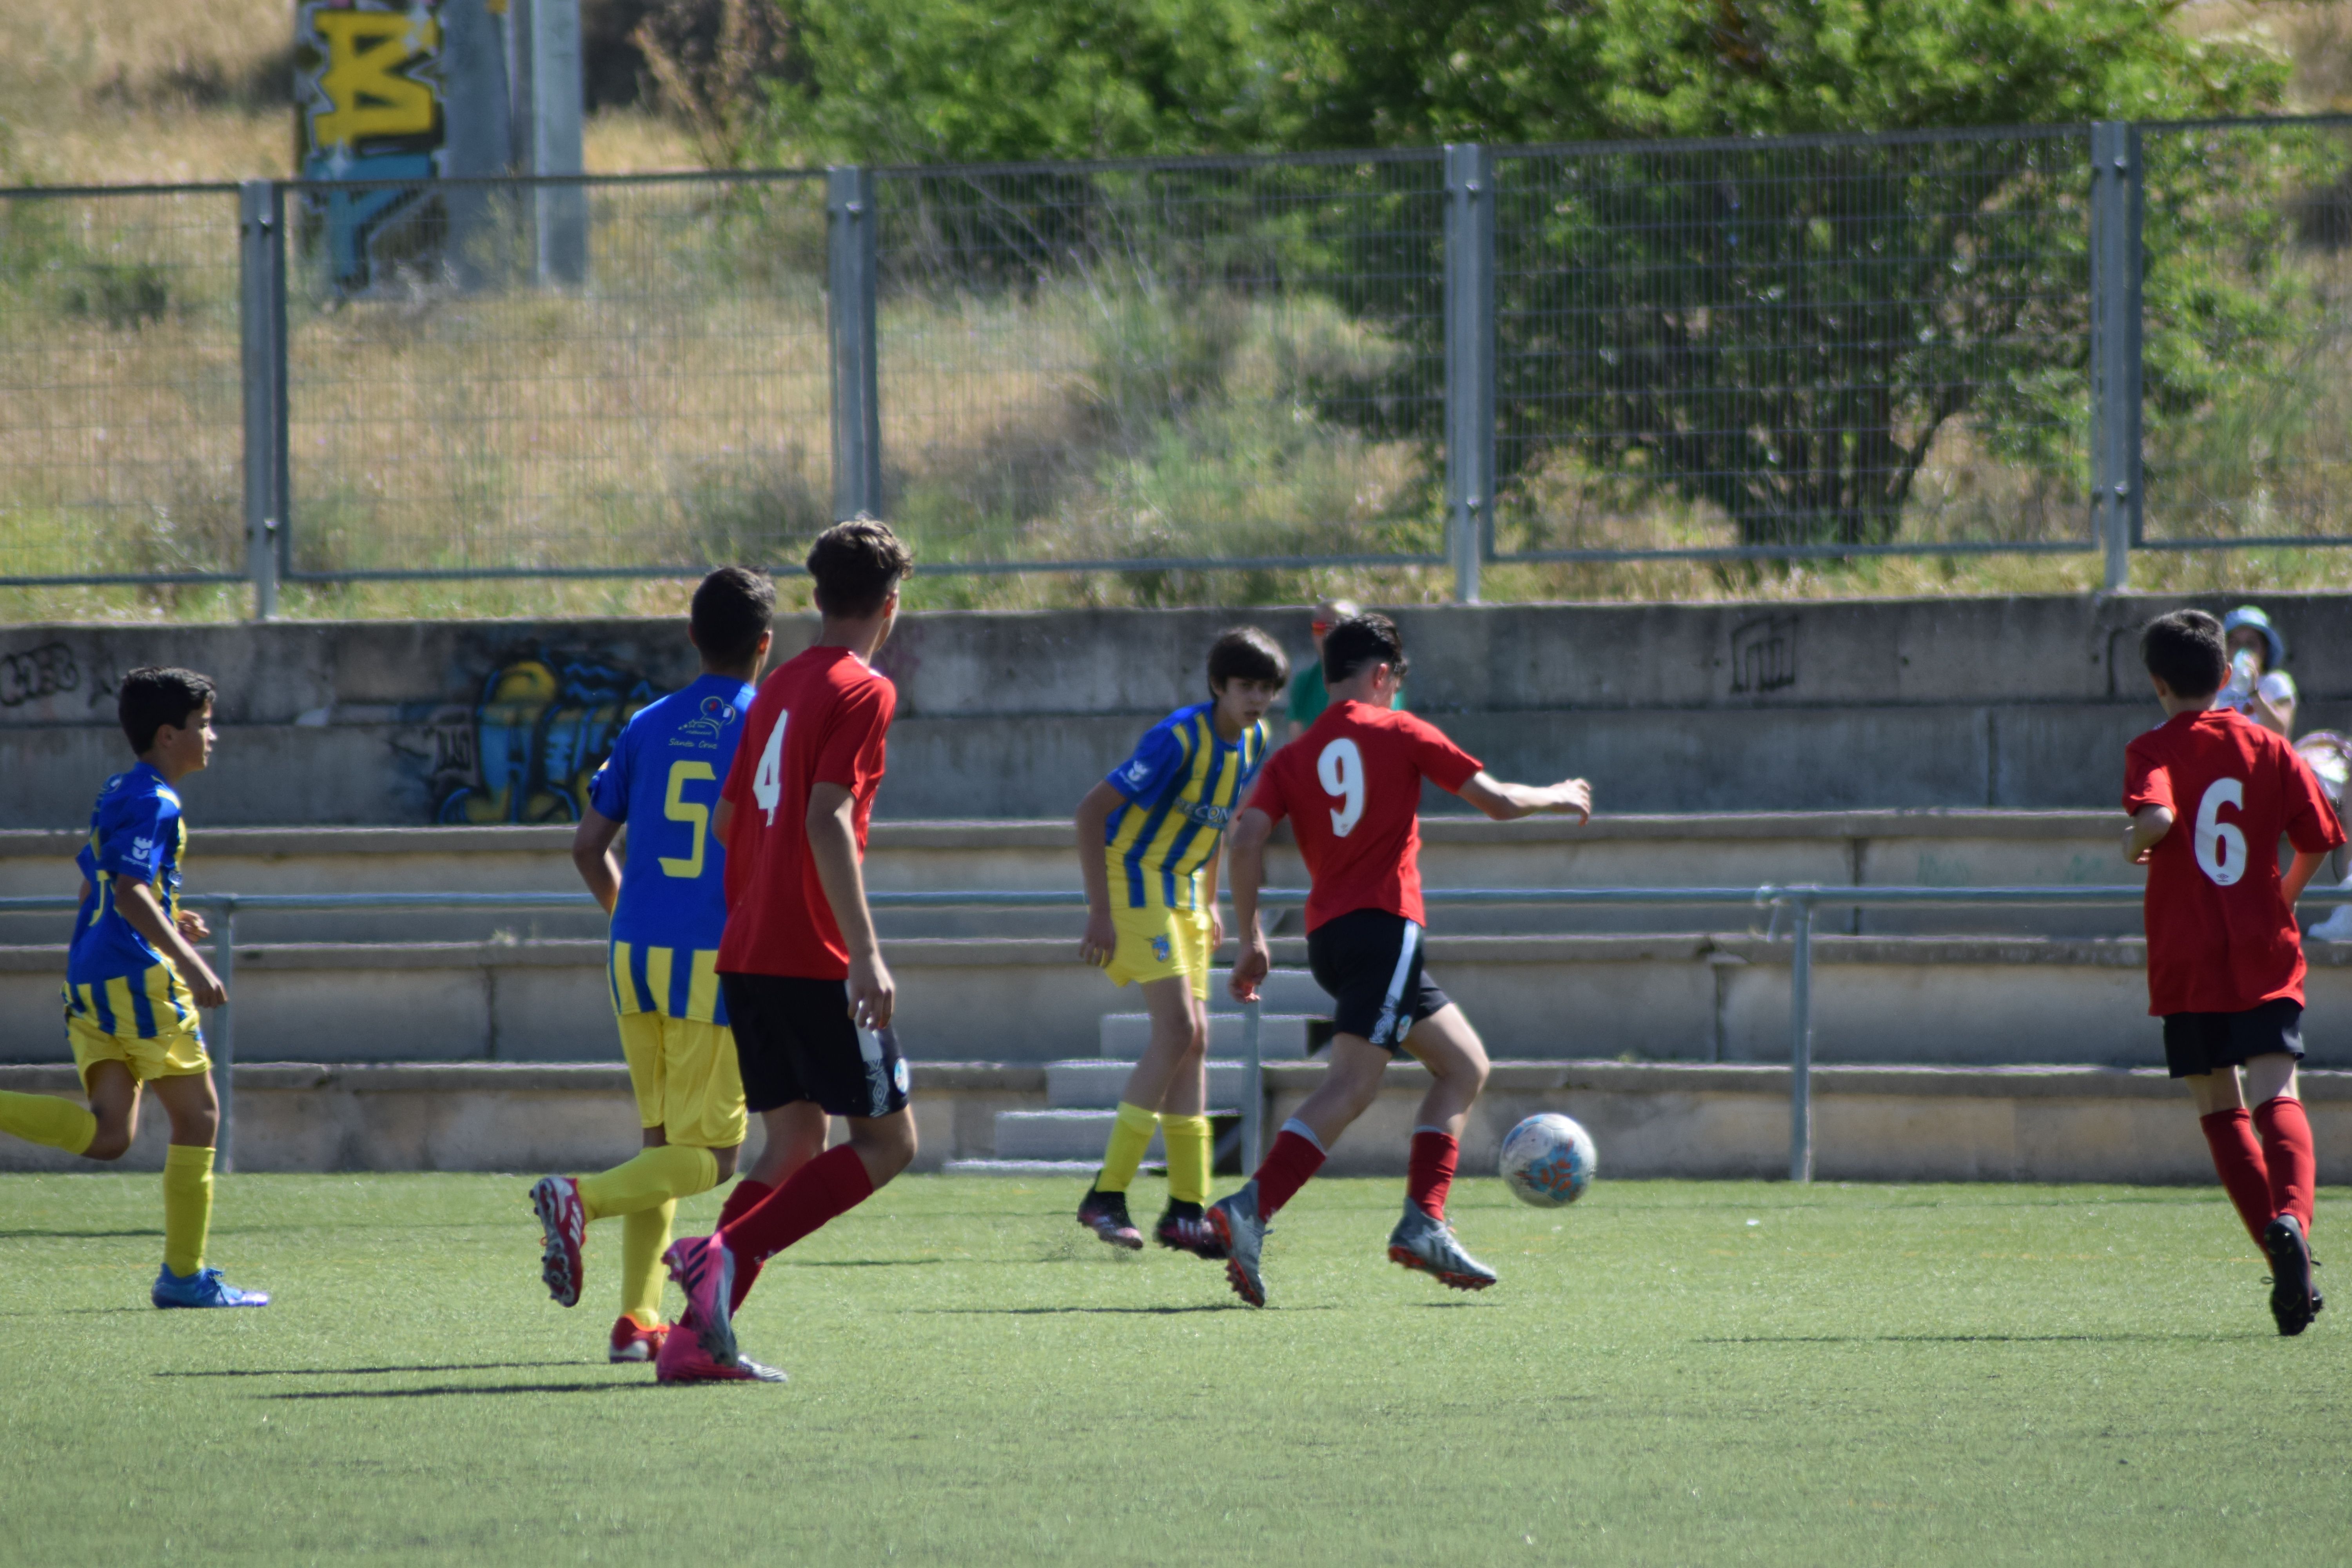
[[538, 732]]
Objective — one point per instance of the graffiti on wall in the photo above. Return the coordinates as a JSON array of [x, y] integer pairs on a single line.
[[524, 750], [368, 96]]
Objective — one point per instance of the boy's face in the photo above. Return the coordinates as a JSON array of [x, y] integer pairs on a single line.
[[1242, 703], [183, 748]]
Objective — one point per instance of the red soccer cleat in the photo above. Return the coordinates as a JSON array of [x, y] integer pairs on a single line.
[[683, 1360], [633, 1341], [564, 1223]]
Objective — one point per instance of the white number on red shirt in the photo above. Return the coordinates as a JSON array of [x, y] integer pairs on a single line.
[[768, 781], [1342, 769], [2220, 847]]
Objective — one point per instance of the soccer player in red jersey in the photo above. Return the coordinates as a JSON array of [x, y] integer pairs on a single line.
[[2224, 958], [808, 995], [1352, 785]]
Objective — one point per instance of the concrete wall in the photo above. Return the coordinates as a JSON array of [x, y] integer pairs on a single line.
[[1946, 702], [1877, 1124]]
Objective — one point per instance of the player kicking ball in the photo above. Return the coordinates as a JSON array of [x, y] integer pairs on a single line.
[[807, 992], [1350, 784], [668, 905], [1148, 840], [2224, 958], [134, 984]]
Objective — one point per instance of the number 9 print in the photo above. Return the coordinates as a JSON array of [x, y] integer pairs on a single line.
[[1342, 769]]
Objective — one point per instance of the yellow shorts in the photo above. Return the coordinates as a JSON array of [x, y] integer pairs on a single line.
[[177, 1053], [687, 1078], [1160, 944]]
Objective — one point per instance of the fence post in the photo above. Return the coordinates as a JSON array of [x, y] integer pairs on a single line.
[[1801, 1041], [2116, 258], [221, 1039], [1469, 361], [1253, 1088], [850, 262], [261, 320]]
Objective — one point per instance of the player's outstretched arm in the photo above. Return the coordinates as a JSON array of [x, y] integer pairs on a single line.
[[833, 845], [1102, 937], [1246, 846], [592, 855], [137, 903], [1509, 801], [2149, 825]]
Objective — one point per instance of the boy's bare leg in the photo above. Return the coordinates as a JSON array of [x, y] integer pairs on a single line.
[[114, 1100], [1450, 1048], [1351, 1081], [795, 1135], [192, 1103], [1166, 1090], [1172, 1075]]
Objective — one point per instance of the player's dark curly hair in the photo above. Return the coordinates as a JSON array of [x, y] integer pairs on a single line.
[[2185, 651], [855, 564], [154, 695], [1360, 641], [1246, 653], [732, 610]]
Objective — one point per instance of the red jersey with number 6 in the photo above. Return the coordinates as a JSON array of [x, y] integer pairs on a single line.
[[818, 719], [2221, 937], [1352, 786]]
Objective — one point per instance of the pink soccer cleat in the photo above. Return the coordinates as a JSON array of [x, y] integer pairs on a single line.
[[683, 1360], [705, 1271]]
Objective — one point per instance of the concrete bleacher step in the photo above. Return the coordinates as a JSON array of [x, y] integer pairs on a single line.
[[1069, 1134], [1086, 1084], [1281, 1037]]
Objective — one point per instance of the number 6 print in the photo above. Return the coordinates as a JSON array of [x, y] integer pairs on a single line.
[[1342, 769], [2220, 847]]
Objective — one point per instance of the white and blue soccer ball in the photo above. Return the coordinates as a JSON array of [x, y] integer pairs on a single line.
[[1549, 1161]]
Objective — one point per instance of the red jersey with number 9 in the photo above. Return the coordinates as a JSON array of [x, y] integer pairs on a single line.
[[1352, 786], [2221, 937], [818, 719]]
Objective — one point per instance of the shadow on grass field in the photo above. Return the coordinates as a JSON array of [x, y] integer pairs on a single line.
[[1668, 1372]]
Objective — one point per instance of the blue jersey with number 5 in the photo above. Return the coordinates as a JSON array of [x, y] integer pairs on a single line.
[[663, 781]]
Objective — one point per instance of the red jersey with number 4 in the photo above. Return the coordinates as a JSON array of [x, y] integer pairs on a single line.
[[2221, 937], [1352, 786], [818, 719]]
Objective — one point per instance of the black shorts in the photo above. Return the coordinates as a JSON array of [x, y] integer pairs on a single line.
[[1370, 960], [794, 1040], [2200, 1043]]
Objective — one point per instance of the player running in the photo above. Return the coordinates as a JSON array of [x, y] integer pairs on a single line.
[[134, 984], [2224, 960], [807, 992], [668, 906], [1351, 785], [1148, 838]]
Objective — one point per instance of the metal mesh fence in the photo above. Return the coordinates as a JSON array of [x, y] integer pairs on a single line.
[[557, 378], [1215, 361], [2247, 334], [120, 435], [1811, 344]]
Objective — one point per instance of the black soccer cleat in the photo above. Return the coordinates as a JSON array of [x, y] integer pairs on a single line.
[[2293, 1301], [1185, 1227], [1104, 1214]]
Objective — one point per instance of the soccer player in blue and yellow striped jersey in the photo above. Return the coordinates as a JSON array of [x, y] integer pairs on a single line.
[[668, 905], [1147, 841], [134, 982]]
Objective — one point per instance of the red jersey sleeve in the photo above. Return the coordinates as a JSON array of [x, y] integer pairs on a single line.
[[2311, 825], [1440, 761], [1272, 796], [2147, 782], [852, 756]]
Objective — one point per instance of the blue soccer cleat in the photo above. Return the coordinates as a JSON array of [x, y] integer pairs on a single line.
[[204, 1287]]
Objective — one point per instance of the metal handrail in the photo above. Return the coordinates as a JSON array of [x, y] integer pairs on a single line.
[[1800, 900]]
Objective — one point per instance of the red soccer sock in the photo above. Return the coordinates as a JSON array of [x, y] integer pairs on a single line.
[[2287, 1151], [748, 1196], [2239, 1160], [829, 1186], [1429, 1174], [1288, 1164]]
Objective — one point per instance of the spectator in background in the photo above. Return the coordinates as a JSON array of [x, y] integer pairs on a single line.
[[1309, 695], [2257, 687]]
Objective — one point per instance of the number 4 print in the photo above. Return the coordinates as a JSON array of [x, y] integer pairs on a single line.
[[768, 783]]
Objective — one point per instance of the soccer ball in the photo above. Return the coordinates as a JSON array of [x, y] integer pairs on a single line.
[[1549, 1161]]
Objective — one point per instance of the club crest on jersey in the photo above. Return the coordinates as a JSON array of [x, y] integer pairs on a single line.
[[1161, 949], [712, 720], [1136, 771]]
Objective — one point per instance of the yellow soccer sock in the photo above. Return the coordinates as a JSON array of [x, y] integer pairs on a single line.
[[644, 1234], [654, 1177], [1129, 1140], [1190, 1148], [45, 1118], [187, 1206]]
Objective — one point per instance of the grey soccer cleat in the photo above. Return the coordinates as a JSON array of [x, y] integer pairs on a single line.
[[1428, 1245], [1234, 1222]]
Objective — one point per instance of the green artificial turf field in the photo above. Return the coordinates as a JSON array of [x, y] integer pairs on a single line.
[[1669, 1372]]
